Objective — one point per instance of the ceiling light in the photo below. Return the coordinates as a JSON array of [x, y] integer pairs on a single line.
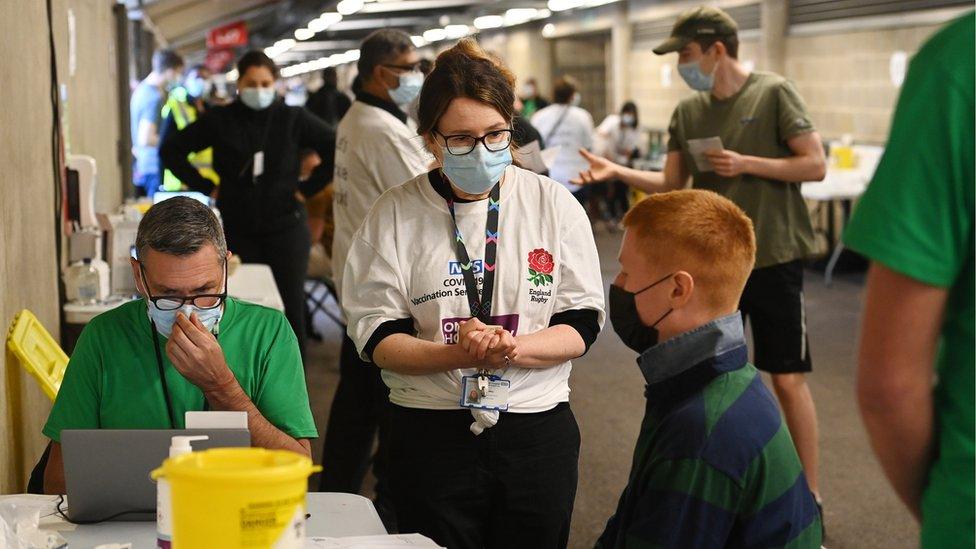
[[516, 16], [563, 5], [304, 34], [349, 7], [456, 31], [489, 21], [285, 44], [418, 41], [433, 35], [353, 55], [324, 21], [548, 30], [542, 14]]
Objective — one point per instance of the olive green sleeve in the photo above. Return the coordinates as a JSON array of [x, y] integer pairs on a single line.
[[792, 117]]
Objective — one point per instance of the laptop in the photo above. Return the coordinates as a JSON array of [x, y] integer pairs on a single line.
[[106, 471]]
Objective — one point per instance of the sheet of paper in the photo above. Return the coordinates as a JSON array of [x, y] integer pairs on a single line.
[[216, 420], [400, 541], [697, 148], [530, 157]]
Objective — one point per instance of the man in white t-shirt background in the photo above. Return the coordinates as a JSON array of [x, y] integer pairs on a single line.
[[565, 125], [377, 148]]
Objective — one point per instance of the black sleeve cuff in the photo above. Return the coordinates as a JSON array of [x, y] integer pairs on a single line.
[[388, 328], [584, 321]]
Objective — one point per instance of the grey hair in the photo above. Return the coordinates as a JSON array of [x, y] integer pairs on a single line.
[[180, 226]]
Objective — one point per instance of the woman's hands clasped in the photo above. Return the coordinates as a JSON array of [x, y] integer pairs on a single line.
[[489, 347]]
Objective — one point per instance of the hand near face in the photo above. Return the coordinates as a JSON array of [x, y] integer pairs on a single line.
[[196, 354], [726, 163]]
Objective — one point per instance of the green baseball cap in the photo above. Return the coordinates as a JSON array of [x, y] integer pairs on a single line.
[[704, 21]]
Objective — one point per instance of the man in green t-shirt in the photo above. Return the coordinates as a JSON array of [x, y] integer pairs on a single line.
[[184, 347], [915, 223], [768, 147]]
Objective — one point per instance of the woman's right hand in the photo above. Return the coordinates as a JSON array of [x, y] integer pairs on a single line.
[[600, 170], [488, 348]]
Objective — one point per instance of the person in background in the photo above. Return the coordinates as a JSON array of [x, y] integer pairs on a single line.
[[415, 308], [145, 119], [183, 106], [527, 138], [532, 101], [328, 103], [570, 128], [714, 464], [619, 140], [769, 147], [186, 347], [256, 143], [915, 377], [377, 149]]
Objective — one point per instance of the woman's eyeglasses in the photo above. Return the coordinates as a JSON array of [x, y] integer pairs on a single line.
[[460, 145]]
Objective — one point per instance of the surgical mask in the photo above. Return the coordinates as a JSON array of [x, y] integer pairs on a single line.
[[626, 320], [477, 171], [164, 320], [627, 119], [198, 87], [257, 98], [409, 88], [696, 78]]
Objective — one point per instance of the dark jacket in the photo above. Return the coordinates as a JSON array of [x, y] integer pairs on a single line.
[[254, 205], [329, 104]]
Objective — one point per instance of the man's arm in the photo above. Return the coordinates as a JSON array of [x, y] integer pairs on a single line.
[[178, 145], [899, 338], [675, 175], [197, 356], [808, 162], [54, 471]]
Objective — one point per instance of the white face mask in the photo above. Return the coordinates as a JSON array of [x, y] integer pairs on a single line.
[[627, 119], [257, 98]]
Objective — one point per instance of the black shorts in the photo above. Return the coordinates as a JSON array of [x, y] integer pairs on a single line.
[[772, 302]]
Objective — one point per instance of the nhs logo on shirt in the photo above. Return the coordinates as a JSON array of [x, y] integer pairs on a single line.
[[454, 267]]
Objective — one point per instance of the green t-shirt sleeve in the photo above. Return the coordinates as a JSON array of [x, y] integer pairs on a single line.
[[916, 216], [281, 396], [77, 403], [675, 136], [792, 117]]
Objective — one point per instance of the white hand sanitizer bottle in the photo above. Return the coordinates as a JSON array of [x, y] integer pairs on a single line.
[[164, 505]]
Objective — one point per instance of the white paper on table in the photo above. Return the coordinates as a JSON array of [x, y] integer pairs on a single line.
[[549, 156], [530, 157], [698, 147], [216, 420], [390, 541]]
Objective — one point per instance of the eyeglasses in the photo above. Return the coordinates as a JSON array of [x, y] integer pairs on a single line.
[[404, 68], [173, 302], [460, 145]]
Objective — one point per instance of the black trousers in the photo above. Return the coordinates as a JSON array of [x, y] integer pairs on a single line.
[[360, 410], [286, 252], [512, 486]]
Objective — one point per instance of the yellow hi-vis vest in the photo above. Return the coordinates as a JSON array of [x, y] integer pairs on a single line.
[[184, 114]]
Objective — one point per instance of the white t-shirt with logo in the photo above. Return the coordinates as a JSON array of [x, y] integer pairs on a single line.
[[403, 264], [374, 152]]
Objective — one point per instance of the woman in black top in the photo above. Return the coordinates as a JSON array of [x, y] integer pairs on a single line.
[[256, 142]]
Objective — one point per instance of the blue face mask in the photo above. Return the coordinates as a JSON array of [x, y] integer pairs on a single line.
[[258, 98], [409, 88], [695, 78], [477, 171], [164, 320], [196, 87]]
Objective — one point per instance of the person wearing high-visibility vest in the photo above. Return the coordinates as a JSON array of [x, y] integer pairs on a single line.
[[184, 104]]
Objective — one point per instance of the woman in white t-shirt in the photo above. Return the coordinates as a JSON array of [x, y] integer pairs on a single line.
[[619, 140], [566, 126], [474, 334]]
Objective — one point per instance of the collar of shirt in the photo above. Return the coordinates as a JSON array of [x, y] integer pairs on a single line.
[[387, 106], [686, 363]]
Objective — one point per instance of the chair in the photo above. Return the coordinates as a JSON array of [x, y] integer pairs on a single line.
[[37, 352]]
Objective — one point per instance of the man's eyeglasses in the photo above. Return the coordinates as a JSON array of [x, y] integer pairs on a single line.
[[173, 302], [460, 145], [404, 68]]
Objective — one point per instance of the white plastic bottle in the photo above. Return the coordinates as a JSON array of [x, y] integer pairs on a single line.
[[164, 504]]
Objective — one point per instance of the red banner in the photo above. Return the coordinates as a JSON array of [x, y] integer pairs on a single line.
[[217, 60], [227, 36]]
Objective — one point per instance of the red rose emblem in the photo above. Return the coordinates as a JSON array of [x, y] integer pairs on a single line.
[[541, 261]]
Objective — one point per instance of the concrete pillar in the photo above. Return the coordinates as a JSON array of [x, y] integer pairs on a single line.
[[773, 24], [620, 45]]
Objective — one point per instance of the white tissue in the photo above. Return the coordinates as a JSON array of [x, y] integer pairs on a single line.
[[20, 517]]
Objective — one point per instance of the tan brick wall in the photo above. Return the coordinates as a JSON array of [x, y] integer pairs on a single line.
[[845, 80]]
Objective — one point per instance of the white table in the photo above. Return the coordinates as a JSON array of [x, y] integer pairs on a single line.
[[332, 515], [250, 282]]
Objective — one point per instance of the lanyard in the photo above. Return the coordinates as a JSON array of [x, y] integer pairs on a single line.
[[479, 302], [162, 379]]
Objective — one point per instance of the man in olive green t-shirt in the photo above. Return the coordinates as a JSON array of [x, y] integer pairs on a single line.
[[915, 223], [768, 147], [184, 347]]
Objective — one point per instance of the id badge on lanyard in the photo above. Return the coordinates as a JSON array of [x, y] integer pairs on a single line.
[[483, 390]]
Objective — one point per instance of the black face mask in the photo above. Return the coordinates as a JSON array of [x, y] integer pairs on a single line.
[[626, 320]]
